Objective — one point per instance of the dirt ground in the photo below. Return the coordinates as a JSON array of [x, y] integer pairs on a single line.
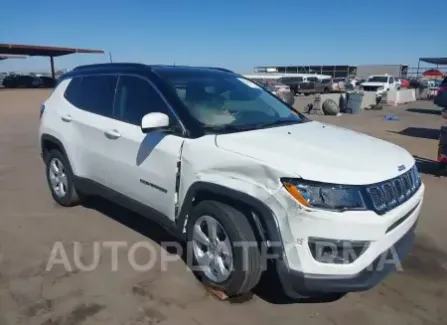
[[31, 224]]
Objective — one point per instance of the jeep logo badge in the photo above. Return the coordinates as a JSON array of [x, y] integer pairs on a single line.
[[401, 168]]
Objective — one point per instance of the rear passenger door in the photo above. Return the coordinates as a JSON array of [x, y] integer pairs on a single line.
[[89, 117], [144, 165]]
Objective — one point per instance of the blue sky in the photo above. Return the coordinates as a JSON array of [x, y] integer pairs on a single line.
[[236, 34]]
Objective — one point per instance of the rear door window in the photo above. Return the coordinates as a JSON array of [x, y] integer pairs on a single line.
[[94, 94]]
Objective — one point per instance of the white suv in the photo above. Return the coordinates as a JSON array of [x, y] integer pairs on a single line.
[[235, 172]]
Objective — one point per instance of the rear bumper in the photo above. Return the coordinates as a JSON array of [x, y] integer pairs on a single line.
[[296, 284]]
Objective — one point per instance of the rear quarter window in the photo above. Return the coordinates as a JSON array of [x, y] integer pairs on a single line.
[[73, 91]]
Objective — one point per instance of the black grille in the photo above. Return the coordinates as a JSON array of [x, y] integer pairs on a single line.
[[390, 194], [371, 88]]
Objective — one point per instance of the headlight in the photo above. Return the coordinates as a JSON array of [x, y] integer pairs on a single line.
[[325, 196]]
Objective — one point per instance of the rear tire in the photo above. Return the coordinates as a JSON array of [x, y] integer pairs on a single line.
[[60, 179], [233, 228]]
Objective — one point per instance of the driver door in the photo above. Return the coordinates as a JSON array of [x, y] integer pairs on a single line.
[[143, 166]]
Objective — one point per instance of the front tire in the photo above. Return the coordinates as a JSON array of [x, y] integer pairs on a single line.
[[60, 179], [224, 248]]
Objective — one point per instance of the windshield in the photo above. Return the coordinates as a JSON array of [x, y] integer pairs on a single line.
[[227, 102], [378, 79]]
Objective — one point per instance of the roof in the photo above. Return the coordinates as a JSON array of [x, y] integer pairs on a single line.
[[438, 61], [5, 57], [37, 50], [120, 67], [154, 67]]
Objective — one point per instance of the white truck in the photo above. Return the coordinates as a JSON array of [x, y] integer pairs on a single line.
[[381, 84]]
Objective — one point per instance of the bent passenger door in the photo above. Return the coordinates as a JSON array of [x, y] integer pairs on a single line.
[[144, 166]]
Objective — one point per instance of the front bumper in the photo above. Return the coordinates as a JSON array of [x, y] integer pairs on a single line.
[[300, 272], [296, 284]]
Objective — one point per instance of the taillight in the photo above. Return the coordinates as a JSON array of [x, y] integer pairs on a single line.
[[42, 109], [441, 89]]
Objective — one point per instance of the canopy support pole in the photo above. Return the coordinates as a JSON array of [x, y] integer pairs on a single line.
[[52, 67]]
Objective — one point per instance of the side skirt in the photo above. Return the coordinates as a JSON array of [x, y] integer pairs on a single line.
[[93, 188]]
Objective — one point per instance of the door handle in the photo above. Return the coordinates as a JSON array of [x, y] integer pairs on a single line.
[[112, 134], [66, 118]]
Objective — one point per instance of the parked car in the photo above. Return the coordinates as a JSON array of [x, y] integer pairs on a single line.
[[47, 82], [338, 84], [275, 86], [235, 172], [441, 96], [22, 81], [287, 96], [381, 84], [293, 82], [315, 85]]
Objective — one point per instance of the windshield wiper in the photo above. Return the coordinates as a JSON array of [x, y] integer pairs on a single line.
[[226, 128], [277, 123], [236, 128]]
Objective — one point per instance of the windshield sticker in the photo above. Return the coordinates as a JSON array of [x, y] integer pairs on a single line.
[[249, 83]]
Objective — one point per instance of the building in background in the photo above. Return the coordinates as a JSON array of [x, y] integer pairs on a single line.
[[359, 71], [396, 70]]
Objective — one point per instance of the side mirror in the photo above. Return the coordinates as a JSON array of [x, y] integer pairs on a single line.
[[153, 121]]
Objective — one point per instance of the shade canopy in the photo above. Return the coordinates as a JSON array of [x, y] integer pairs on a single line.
[[37, 50], [437, 61]]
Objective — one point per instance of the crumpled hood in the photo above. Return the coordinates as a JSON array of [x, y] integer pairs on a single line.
[[321, 152]]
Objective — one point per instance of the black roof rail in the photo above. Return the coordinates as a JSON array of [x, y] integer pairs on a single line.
[[136, 65], [106, 65], [221, 69]]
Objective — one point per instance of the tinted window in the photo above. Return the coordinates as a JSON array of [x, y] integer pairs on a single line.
[[312, 79], [218, 99], [136, 98], [94, 94], [73, 91], [391, 80], [444, 82]]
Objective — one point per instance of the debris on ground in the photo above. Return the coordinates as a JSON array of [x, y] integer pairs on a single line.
[[391, 118], [330, 107]]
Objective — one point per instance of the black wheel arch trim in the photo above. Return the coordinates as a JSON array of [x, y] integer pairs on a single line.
[[47, 137], [264, 218]]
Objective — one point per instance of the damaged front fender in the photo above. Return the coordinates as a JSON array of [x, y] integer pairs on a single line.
[[207, 168]]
